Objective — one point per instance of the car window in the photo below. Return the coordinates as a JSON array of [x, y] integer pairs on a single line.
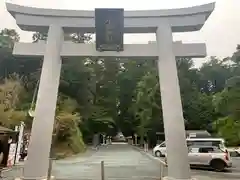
[[162, 145], [189, 143], [204, 143], [206, 149], [193, 150]]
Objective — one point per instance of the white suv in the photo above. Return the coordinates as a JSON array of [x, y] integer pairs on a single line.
[[161, 150], [209, 156]]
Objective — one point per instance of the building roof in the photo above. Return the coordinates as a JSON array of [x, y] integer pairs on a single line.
[[198, 133], [193, 133]]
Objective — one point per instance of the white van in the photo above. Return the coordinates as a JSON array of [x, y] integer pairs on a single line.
[[160, 150]]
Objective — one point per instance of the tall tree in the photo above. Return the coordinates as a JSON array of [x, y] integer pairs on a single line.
[[8, 37], [11, 91]]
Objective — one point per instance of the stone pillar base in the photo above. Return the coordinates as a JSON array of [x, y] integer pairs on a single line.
[[18, 178]]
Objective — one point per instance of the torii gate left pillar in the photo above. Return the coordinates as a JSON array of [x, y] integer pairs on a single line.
[[37, 163], [163, 23]]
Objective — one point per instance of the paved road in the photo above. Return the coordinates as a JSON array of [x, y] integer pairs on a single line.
[[207, 174], [227, 175], [232, 173], [122, 162]]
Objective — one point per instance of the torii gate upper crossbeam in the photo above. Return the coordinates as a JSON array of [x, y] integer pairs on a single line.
[[140, 21]]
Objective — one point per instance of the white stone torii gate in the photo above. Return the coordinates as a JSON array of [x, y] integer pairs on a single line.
[[58, 22]]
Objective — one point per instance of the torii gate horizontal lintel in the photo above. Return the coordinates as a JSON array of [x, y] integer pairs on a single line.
[[138, 21], [150, 51]]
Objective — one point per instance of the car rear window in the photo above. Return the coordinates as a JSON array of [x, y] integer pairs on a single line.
[[210, 150], [206, 150], [204, 143]]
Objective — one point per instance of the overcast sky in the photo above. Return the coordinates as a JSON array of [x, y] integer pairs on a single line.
[[221, 32]]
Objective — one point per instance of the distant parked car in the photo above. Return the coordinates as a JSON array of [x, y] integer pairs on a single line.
[[234, 152], [119, 137]]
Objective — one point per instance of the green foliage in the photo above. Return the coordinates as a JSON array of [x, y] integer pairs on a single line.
[[228, 101], [8, 37], [227, 105], [39, 37], [199, 112], [74, 37], [11, 90], [214, 75], [146, 92], [228, 128], [67, 122]]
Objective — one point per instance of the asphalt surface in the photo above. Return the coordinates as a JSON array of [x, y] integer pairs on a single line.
[[231, 173], [209, 174], [121, 162]]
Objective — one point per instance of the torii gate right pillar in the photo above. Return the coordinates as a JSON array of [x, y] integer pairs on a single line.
[[174, 128]]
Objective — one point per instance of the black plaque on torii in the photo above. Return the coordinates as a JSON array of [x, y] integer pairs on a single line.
[[109, 24]]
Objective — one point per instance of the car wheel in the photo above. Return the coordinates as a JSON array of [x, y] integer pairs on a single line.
[[218, 165], [158, 154]]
